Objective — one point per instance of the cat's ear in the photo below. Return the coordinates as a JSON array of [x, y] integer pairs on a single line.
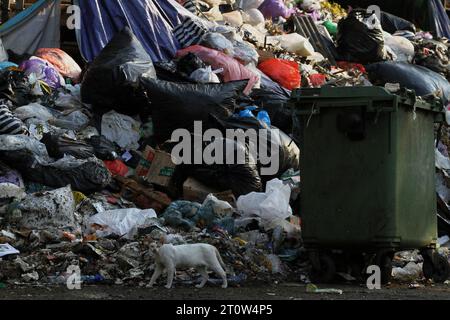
[[162, 240]]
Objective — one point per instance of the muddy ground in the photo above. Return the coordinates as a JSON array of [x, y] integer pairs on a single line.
[[256, 291]]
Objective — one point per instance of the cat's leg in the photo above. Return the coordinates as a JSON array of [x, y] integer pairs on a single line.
[[204, 273], [156, 275], [170, 275], [217, 268]]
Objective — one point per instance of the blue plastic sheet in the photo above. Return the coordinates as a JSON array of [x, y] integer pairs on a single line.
[[440, 19], [152, 22]]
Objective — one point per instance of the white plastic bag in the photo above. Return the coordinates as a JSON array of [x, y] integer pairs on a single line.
[[245, 53], [217, 41], [402, 47], [122, 222], [33, 111], [234, 18], [121, 129], [221, 208], [271, 205], [411, 272], [254, 17], [54, 208], [294, 43], [205, 75]]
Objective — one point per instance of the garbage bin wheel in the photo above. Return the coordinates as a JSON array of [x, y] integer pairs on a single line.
[[326, 272], [384, 261], [436, 267], [357, 267]]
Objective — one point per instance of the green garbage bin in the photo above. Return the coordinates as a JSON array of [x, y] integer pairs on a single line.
[[367, 174]]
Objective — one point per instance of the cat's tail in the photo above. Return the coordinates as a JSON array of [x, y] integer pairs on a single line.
[[220, 260]]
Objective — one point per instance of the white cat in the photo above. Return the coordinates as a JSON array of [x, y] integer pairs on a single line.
[[199, 256]]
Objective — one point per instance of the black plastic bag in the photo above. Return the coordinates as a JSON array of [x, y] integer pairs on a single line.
[[14, 86], [112, 80], [420, 79], [58, 146], [357, 42], [87, 176], [30, 158], [103, 148], [240, 178], [189, 63], [178, 105], [287, 151], [275, 103], [391, 23]]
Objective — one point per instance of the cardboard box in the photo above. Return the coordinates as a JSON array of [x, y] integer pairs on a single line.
[[144, 165], [194, 190], [162, 170]]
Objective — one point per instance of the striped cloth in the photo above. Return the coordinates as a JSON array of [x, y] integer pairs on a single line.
[[189, 32], [191, 5], [9, 124]]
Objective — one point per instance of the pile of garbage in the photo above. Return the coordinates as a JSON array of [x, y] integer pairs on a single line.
[[87, 173]]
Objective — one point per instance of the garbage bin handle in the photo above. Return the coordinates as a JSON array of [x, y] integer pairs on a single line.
[[317, 105]]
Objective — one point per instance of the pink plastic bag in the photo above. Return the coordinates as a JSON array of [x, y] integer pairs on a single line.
[[232, 69], [62, 62]]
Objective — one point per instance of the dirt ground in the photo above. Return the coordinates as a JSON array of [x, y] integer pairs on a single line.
[[261, 291]]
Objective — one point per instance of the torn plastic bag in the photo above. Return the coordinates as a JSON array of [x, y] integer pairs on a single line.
[[31, 159], [121, 129], [391, 23], [64, 63], [241, 178], [212, 213], [75, 120], [232, 69], [245, 53], [9, 123], [58, 146], [180, 214], [178, 105], [122, 222], [217, 41], [11, 183], [112, 79], [285, 149], [420, 79], [284, 72], [43, 70], [402, 47], [270, 206], [13, 143], [360, 38], [34, 111], [15, 87], [434, 55], [103, 148], [205, 75], [54, 208]]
